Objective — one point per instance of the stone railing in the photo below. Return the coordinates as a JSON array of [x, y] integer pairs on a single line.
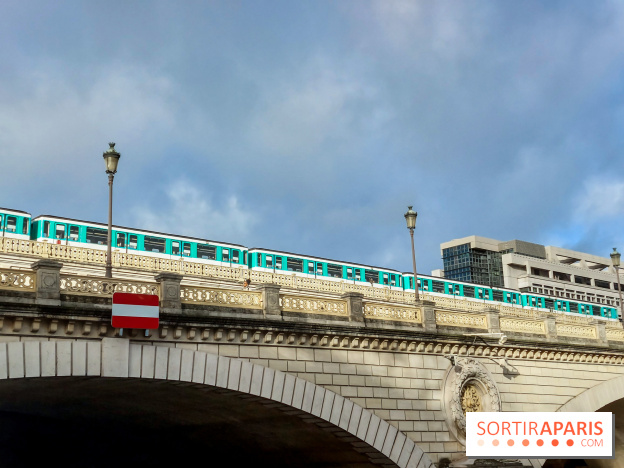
[[221, 297], [392, 312], [313, 305], [89, 286], [17, 280], [377, 303]]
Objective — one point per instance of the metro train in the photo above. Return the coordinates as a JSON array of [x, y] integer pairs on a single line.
[[20, 225]]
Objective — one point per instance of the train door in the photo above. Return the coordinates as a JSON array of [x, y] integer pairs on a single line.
[[74, 233], [10, 224], [186, 249], [133, 241], [60, 233], [120, 240]]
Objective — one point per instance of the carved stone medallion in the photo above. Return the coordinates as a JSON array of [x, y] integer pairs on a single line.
[[468, 387]]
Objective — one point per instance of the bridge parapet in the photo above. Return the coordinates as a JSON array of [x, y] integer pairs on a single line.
[[219, 289]]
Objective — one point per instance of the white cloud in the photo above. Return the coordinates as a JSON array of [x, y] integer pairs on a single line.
[[190, 211], [296, 119], [55, 122], [600, 199], [448, 29]]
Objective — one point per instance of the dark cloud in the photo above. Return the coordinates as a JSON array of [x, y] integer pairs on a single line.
[[310, 127]]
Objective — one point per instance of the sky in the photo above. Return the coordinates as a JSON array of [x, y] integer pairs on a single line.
[[310, 126]]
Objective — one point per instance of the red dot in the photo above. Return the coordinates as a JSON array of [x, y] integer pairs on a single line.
[[555, 442], [510, 442], [540, 442], [570, 442], [525, 442]]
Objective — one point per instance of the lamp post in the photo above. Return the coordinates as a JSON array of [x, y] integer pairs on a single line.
[[615, 258], [111, 158], [410, 218]]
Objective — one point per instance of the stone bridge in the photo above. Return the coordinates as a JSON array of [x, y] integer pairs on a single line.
[[288, 371]]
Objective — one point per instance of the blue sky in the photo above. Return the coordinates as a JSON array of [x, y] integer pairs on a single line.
[[310, 126]]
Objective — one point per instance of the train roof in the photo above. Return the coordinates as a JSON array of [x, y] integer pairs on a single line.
[[313, 257], [12, 211], [140, 231]]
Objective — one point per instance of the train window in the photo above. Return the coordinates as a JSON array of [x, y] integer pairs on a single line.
[[469, 291], [11, 223], [60, 231], [133, 241], [245, 258], [278, 263], [574, 307], [186, 251], [335, 271], [120, 241], [154, 244], [175, 247], [259, 260], [206, 251], [269, 261], [294, 264], [549, 303], [358, 274], [438, 286], [235, 255], [497, 296], [371, 276], [73, 232], [1, 225], [392, 280], [96, 236], [46, 229], [310, 268], [225, 255], [25, 226], [350, 273], [319, 268]]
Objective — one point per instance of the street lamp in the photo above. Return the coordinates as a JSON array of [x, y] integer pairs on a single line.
[[111, 158], [410, 218], [615, 258]]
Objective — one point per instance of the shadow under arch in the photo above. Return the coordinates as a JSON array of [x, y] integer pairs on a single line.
[[126, 367]]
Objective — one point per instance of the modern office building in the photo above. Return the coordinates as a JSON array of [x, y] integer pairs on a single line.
[[529, 267]]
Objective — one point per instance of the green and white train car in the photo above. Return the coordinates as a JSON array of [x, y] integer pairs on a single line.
[[130, 240], [480, 293], [15, 224], [274, 261]]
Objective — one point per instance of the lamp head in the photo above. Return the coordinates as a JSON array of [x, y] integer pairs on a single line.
[[615, 257], [410, 218], [111, 158]]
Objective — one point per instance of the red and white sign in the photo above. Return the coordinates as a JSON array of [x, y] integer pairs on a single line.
[[135, 310], [539, 435]]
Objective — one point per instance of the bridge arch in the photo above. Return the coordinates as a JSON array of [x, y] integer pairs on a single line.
[[596, 397], [120, 359]]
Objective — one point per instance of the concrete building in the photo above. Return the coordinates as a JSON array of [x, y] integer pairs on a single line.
[[529, 267]]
